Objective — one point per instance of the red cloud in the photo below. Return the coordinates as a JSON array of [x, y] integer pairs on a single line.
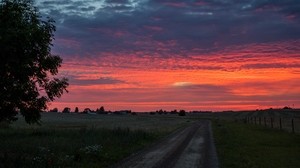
[[238, 77]]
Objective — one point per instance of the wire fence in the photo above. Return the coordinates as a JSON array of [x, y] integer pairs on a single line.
[[287, 124]]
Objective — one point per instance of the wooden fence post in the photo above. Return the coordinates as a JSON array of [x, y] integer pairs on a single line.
[[271, 122], [265, 121], [293, 127], [280, 125], [259, 120]]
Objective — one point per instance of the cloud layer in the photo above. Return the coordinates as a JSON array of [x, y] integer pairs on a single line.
[[164, 28], [130, 53]]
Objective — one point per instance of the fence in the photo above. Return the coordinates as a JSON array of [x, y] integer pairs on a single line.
[[288, 124]]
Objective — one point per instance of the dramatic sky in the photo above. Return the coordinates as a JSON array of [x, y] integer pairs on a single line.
[[146, 55]]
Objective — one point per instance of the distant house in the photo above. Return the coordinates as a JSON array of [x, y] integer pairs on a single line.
[[93, 113], [123, 112]]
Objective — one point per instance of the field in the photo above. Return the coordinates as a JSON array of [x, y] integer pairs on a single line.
[[81, 140], [242, 145], [242, 139]]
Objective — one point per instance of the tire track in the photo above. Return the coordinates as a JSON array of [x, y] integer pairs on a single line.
[[186, 148]]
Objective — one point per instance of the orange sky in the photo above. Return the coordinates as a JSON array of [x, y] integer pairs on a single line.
[[254, 76], [147, 55]]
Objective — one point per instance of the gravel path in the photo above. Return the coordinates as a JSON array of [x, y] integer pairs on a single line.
[[190, 147]]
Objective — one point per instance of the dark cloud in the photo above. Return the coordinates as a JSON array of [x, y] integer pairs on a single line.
[[118, 1], [64, 2], [123, 26], [90, 8], [99, 81]]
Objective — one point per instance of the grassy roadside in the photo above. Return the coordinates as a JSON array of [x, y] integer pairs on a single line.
[[77, 140], [250, 146], [69, 147]]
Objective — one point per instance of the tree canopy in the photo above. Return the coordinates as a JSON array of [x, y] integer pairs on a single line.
[[28, 70]]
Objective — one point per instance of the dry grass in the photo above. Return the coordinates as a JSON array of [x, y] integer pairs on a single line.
[[247, 146], [81, 140]]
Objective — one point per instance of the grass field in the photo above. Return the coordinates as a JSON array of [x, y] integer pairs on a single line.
[[81, 140], [251, 146]]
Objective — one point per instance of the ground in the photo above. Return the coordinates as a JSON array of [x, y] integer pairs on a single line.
[[189, 147]]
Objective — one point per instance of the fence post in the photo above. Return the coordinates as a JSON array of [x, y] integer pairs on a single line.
[[265, 121], [255, 120], [280, 125], [271, 122], [259, 120], [293, 127]]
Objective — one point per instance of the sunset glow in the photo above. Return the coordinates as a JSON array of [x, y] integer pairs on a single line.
[[199, 55]]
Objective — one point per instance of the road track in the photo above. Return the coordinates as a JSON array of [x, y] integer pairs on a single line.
[[189, 147]]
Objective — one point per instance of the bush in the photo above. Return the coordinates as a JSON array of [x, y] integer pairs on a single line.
[[181, 113]]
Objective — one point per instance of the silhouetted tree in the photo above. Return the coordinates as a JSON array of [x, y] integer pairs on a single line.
[[76, 110], [101, 109], [66, 110], [87, 110], [27, 67], [160, 111], [286, 108], [55, 110], [181, 113], [174, 112]]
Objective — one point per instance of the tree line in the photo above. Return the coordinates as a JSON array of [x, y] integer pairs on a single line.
[[101, 110]]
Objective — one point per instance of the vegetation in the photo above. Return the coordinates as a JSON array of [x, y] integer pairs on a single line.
[[100, 110], [80, 140], [66, 110], [181, 113], [85, 140], [247, 146], [69, 147], [27, 69]]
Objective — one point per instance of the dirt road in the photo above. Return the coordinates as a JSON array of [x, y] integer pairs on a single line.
[[190, 147]]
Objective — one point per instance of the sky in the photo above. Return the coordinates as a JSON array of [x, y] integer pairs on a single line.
[[146, 55]]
